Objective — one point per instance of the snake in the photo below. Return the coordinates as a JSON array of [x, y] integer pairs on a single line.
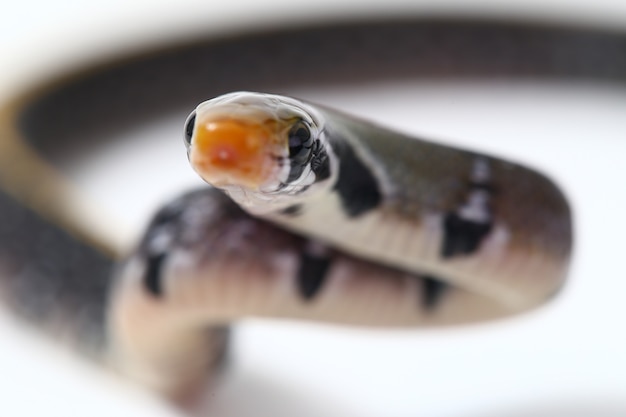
[[386, 196], [342, 221]]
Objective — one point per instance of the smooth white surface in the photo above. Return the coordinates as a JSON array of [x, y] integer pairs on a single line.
[[567, 359]]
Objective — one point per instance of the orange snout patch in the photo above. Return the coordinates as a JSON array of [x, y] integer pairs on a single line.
[[231, 152]]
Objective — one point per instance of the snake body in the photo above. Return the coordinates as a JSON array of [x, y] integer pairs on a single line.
[[476, 221], [204, 263], [59, 272]]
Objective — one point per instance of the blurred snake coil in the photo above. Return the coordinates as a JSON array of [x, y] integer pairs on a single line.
[[161, 313]]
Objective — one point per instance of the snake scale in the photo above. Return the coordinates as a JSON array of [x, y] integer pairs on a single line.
[[58, 273]]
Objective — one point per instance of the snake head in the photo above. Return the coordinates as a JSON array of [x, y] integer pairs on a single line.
[[264, 150]]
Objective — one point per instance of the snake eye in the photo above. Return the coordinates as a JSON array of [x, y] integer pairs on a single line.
[[300, 142], [189, 125]]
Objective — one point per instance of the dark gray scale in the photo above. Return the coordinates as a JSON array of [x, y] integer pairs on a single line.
[[50, 278], [432, 292], [300, 149], [312, 273], [320, 164], [356, 186], [303, 151]]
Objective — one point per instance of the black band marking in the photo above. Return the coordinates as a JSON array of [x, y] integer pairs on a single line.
[[311, 274], [166, 223], [465, 228], [432, 292], [152, 277], [357, 187], [462, 237]]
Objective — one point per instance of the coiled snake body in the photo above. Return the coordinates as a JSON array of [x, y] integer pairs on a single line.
[[203, 262]]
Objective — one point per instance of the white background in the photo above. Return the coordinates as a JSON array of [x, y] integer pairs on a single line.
[[566, 359]]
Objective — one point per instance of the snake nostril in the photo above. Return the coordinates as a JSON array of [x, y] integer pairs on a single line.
[[189, 125]]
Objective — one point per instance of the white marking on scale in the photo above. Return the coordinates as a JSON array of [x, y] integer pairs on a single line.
[[161, 241], [476, 208]]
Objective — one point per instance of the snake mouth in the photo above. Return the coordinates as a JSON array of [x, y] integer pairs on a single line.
[[229, 151]]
